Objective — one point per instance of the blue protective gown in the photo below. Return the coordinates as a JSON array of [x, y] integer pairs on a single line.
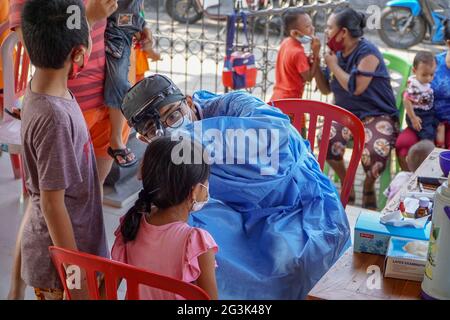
[[277, 233]]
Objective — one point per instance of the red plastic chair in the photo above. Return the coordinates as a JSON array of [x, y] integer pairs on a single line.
[[16, 66], [114, 271], [295, 108]]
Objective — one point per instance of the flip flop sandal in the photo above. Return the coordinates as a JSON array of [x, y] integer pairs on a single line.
[[114, 153]]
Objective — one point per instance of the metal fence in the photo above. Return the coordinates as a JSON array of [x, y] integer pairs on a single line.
[[193, 53]]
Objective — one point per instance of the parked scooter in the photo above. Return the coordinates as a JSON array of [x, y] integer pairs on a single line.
[[191, 11], [405, 23]]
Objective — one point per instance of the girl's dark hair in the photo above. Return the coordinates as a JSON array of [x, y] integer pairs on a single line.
[[290, 17], [352, 20], [166, 183], [447, 30]]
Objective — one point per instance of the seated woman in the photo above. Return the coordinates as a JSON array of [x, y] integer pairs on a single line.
[[276, 217], [357, 76], [440, 85]]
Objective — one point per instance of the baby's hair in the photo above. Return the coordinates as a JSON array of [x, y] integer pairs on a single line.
[[424, 57], [165, 182], [418, 153], [290, 17]]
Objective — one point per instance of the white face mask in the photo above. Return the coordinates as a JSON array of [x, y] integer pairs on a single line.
[[304, 39], [198, 205]]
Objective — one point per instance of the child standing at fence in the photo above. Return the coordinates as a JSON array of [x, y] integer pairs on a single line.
[[154, 235], [418, 97], [298, 56], [58, 156], [124, 25]]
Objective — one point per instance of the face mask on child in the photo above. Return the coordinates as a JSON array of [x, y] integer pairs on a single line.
[[76, 69], [198, 205], [304, 39]]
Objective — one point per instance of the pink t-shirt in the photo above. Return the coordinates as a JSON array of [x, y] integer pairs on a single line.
[[171, 250]]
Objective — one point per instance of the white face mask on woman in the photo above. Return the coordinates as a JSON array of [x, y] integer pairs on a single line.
[[198, 205]]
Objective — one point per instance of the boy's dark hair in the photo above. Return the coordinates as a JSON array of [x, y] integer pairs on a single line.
[[424, 57], [352, 20], [46, 34], [290, 17], [165, 183]]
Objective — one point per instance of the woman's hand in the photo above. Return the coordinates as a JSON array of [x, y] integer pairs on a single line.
[[331, 59], [417, 123]]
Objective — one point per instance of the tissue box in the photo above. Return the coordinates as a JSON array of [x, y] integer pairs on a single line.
[[406, 259], [371, 236]]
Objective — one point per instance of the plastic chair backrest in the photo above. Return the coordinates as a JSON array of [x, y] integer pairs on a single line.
[[16, 65], [330, 113], [400, 71], [114, 271]]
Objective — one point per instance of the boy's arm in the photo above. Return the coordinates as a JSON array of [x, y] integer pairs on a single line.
[[322, 83], [57, 219], [309, 75], [97, 10], [315, 57]]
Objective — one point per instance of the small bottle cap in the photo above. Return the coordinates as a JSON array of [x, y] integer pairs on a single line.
[[424, 202]]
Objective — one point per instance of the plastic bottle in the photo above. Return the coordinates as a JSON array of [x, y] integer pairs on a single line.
[[436, 282]]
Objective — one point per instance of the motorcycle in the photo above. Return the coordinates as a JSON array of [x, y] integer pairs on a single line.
[[191, 11], [405, 23]]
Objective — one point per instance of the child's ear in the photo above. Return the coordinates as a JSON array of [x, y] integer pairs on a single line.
[[293, 33], [78, 55]]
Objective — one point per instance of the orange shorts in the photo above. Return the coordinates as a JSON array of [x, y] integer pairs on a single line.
[[99, 126]]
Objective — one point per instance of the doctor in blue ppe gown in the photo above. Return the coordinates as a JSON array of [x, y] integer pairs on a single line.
[[276, 217]]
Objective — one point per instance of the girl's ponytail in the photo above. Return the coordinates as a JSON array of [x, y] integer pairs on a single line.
[[132, 219]]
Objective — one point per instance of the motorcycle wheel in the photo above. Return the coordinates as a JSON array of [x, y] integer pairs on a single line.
[[392, 20], [184, 11]]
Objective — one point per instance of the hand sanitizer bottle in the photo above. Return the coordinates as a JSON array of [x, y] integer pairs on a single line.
[[436, 282]]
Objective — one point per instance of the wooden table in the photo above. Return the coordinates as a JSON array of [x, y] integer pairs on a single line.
[[348, 278]]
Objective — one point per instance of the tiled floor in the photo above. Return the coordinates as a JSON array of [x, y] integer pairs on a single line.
[[11, 212]]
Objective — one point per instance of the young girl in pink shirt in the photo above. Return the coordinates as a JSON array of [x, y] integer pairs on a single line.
[[154, 235]]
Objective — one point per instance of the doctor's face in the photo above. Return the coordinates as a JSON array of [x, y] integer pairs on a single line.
[[171, 116]]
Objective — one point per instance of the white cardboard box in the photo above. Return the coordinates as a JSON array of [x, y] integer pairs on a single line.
[[406, 259]]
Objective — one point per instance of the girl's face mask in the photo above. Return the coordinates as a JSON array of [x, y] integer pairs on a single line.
[[335, 45], [198, 205]]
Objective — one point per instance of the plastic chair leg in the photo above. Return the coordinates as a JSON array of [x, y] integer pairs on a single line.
[[16, 165], [385, 180]]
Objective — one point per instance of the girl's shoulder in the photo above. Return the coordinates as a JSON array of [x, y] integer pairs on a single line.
[[199, 242], [200, 239]]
